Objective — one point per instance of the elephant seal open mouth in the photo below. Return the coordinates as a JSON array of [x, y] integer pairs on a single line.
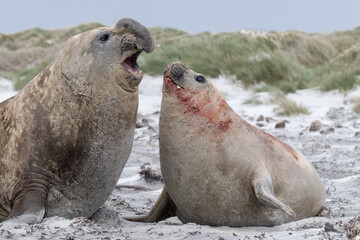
[[66, 136]]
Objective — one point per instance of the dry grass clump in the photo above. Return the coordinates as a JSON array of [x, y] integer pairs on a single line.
[[254, 100], [288, 107], [356, 107]]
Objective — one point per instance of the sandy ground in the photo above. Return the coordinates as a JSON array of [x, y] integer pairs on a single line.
[[334, 150]]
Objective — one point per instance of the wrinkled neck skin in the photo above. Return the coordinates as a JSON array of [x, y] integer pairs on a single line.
[[207, 106]]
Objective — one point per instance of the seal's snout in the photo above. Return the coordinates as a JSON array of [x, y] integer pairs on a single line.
[[134, 39], [175, 71], [145, 41], [174, 76]]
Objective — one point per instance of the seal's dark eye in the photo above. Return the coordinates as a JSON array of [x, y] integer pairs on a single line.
[[104, 37], [200, 78]]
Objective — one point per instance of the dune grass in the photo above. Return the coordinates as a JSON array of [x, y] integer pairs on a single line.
[[250, 59], [287, 61], [342, 73], [23, 55], [282, 60]]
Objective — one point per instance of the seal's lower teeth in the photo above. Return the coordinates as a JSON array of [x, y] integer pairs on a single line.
[[178, 87]]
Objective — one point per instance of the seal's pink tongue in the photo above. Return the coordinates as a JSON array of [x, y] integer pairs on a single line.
[[128, 65]]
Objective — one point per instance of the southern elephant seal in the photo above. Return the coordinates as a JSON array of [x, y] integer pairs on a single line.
[[220, 170], [66, 136]]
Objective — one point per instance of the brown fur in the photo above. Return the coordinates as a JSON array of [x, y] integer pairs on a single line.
[[65, 138]]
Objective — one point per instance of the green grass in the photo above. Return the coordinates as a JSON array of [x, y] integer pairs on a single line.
[[250, 59], [286, 61], [340, 74], [23, 77], [341, 80], [24, 54], [163, 35]]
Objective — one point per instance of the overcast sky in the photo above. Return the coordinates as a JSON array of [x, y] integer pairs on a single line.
[[193, 16]]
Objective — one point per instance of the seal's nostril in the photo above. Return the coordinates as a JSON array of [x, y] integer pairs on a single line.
[[145, 40], [177, 70]]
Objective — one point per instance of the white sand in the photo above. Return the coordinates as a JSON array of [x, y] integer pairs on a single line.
[[335, 155]]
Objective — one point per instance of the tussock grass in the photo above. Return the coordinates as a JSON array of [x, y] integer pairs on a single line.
[[254, 100], [282, 60], [23, 55], [288, 61], [288, 107], [163, 35], [250, 59], [342, 73], [308, 49]]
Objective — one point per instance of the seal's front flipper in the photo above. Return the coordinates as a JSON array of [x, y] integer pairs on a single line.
[[28, 208], [29, 200], [163, 209], [264, 192]]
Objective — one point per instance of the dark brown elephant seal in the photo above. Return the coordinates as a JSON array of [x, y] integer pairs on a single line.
[[65, 138], [220, 170]]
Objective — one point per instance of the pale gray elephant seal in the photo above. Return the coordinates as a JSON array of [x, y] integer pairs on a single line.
[[65, 138], [220, 170]]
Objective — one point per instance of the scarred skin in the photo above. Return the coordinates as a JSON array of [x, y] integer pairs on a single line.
[[66, 136], [220, 170]]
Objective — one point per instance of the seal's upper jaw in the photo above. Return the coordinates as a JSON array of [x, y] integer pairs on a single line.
[[176, 75], [143, 42]]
